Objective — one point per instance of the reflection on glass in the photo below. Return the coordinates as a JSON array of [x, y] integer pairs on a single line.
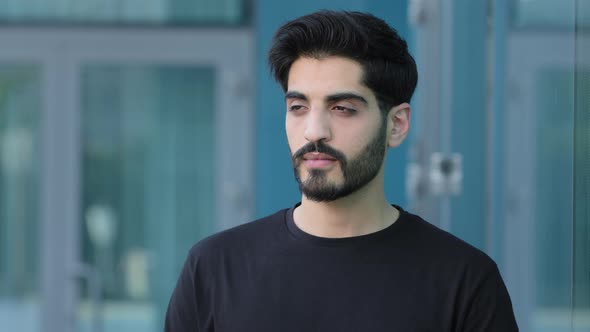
[[19, 264], [148, 166]]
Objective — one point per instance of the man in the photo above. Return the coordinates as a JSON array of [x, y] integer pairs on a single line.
[[343, 259]]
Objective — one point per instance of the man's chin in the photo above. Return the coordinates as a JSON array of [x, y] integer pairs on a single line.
[[332, 174], [321, 179], [320, 189], [319, 197]]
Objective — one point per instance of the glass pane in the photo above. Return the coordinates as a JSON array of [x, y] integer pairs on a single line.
[[148, 167], [19, 221], [551, 14], [218, 12], [581, 290], [538, 87], [554, 155]]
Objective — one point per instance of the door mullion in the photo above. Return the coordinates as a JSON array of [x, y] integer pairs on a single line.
[[59, 194]]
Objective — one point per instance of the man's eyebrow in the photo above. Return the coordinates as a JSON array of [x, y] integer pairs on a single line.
[[295, 95], [346, 95], [329, 99]]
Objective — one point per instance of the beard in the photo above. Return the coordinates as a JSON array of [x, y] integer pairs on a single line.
[[356, 172]]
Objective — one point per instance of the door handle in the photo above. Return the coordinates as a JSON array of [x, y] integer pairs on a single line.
[[446, 174], [442, 175], [91, 275]]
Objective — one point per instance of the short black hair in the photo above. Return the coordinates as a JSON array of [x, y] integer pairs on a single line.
[[388, 68]]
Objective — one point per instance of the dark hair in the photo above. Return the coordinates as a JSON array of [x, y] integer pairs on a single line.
[[389, 70]]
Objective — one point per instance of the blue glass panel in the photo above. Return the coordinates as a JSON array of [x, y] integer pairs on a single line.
[[148, 170], [20, 104]]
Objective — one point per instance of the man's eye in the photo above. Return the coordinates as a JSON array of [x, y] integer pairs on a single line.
[[294, 108], [346, 110]]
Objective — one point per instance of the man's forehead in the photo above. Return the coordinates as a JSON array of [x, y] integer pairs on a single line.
[[325, 77], [332, 66]]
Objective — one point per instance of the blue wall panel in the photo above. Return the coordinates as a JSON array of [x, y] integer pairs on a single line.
[[498, 223], [468, 117]]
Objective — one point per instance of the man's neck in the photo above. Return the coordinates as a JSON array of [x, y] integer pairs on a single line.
[[363, 212]]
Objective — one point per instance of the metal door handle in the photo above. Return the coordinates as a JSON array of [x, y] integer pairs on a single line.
[[446, 174]]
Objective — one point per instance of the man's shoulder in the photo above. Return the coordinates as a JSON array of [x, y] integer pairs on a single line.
[[243, 236], [441, 245]]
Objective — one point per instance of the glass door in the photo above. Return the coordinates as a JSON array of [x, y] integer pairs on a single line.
[[494, 146], [32, 259], [539, 159], [21, 100], [151, 152]]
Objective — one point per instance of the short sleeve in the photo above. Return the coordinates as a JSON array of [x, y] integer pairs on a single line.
[[189, 309], [488, 306]]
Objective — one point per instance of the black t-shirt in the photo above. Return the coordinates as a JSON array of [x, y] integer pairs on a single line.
[[268, 275]]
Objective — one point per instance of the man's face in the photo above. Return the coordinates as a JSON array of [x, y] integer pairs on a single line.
[[336, 132]]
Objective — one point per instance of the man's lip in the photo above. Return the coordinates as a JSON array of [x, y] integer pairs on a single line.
[[317, 156]]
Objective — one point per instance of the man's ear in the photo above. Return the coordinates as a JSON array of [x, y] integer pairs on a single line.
[[398, 124]]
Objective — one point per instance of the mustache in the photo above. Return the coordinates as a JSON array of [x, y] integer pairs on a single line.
[[320, 147]]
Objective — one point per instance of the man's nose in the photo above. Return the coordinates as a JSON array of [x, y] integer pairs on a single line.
[[317, 126]]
